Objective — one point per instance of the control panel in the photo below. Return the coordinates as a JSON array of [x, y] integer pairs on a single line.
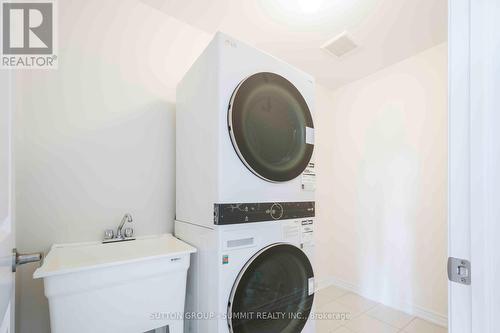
[[260, 212]]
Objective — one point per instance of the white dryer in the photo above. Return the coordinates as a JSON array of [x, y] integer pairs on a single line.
[[251, 278], [245, 133]]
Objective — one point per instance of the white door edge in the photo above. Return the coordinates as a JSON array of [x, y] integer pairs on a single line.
[[459, 296], [474, 162]]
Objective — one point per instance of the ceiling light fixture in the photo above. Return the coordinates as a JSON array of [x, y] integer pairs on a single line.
[[310, 6]]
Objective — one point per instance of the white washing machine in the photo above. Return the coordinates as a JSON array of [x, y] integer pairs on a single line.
[[251, 278], [245, 133]]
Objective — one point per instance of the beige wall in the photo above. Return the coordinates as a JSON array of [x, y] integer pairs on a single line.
[[383, 182]]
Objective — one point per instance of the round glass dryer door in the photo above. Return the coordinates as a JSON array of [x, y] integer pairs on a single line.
[[272, 292], [271, 127]]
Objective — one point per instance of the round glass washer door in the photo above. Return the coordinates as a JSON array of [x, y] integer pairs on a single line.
[[271, 293], [271, 127]]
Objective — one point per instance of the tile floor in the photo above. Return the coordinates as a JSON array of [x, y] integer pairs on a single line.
[[346, 312]]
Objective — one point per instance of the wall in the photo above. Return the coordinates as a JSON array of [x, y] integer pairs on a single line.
[[7, 232], [5, 149], [383, 225], [96, 139]]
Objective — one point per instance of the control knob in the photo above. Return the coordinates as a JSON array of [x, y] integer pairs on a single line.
[[276, 211]]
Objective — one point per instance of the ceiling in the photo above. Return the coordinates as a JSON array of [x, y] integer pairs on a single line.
[[387, 31]]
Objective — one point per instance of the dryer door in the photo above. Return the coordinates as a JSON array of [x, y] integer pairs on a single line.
[[273, 293], [271, 127]]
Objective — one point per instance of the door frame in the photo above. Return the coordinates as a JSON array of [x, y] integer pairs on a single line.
[[474, 162]]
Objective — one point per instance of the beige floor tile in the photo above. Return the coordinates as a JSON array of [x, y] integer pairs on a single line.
[[356, 302], [333, 315], [390, 316], [327, 325], [339, 311], [342, 330], [421, 326], [328, 294], [367, 324]]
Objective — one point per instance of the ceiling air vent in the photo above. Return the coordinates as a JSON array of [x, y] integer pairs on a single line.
[[340, 45]]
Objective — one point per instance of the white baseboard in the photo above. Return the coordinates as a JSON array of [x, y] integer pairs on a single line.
[[412, 309]]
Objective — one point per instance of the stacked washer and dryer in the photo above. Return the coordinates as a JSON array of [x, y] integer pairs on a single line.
[[245, 191]]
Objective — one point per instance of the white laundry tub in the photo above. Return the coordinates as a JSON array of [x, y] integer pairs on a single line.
[[131, 286]]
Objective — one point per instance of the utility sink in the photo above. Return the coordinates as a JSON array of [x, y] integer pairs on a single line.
[[131, 286]]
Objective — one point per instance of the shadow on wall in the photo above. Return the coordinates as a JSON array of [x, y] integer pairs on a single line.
[[387, 229], [388, 183], [79, 183]]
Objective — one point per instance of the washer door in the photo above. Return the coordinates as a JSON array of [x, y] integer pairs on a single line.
[[271, 127], [273, 292]]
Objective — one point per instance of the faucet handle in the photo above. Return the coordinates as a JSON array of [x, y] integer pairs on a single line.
[[129, 232], [109, 234]]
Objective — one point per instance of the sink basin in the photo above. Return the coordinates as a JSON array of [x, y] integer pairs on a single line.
[[133, 286]]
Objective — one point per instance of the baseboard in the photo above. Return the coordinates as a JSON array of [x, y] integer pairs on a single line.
[[412, 309]]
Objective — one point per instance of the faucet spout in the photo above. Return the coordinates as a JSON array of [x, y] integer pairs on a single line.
[[126, 218]]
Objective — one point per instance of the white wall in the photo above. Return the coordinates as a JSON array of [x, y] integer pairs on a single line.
[[96, 139], [382, 213], [5, 146]]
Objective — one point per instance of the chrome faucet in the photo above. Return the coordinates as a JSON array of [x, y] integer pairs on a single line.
[[126, 218], [127, 234]]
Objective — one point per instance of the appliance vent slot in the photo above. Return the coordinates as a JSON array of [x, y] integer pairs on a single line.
[[340, 45], [240, 242]]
